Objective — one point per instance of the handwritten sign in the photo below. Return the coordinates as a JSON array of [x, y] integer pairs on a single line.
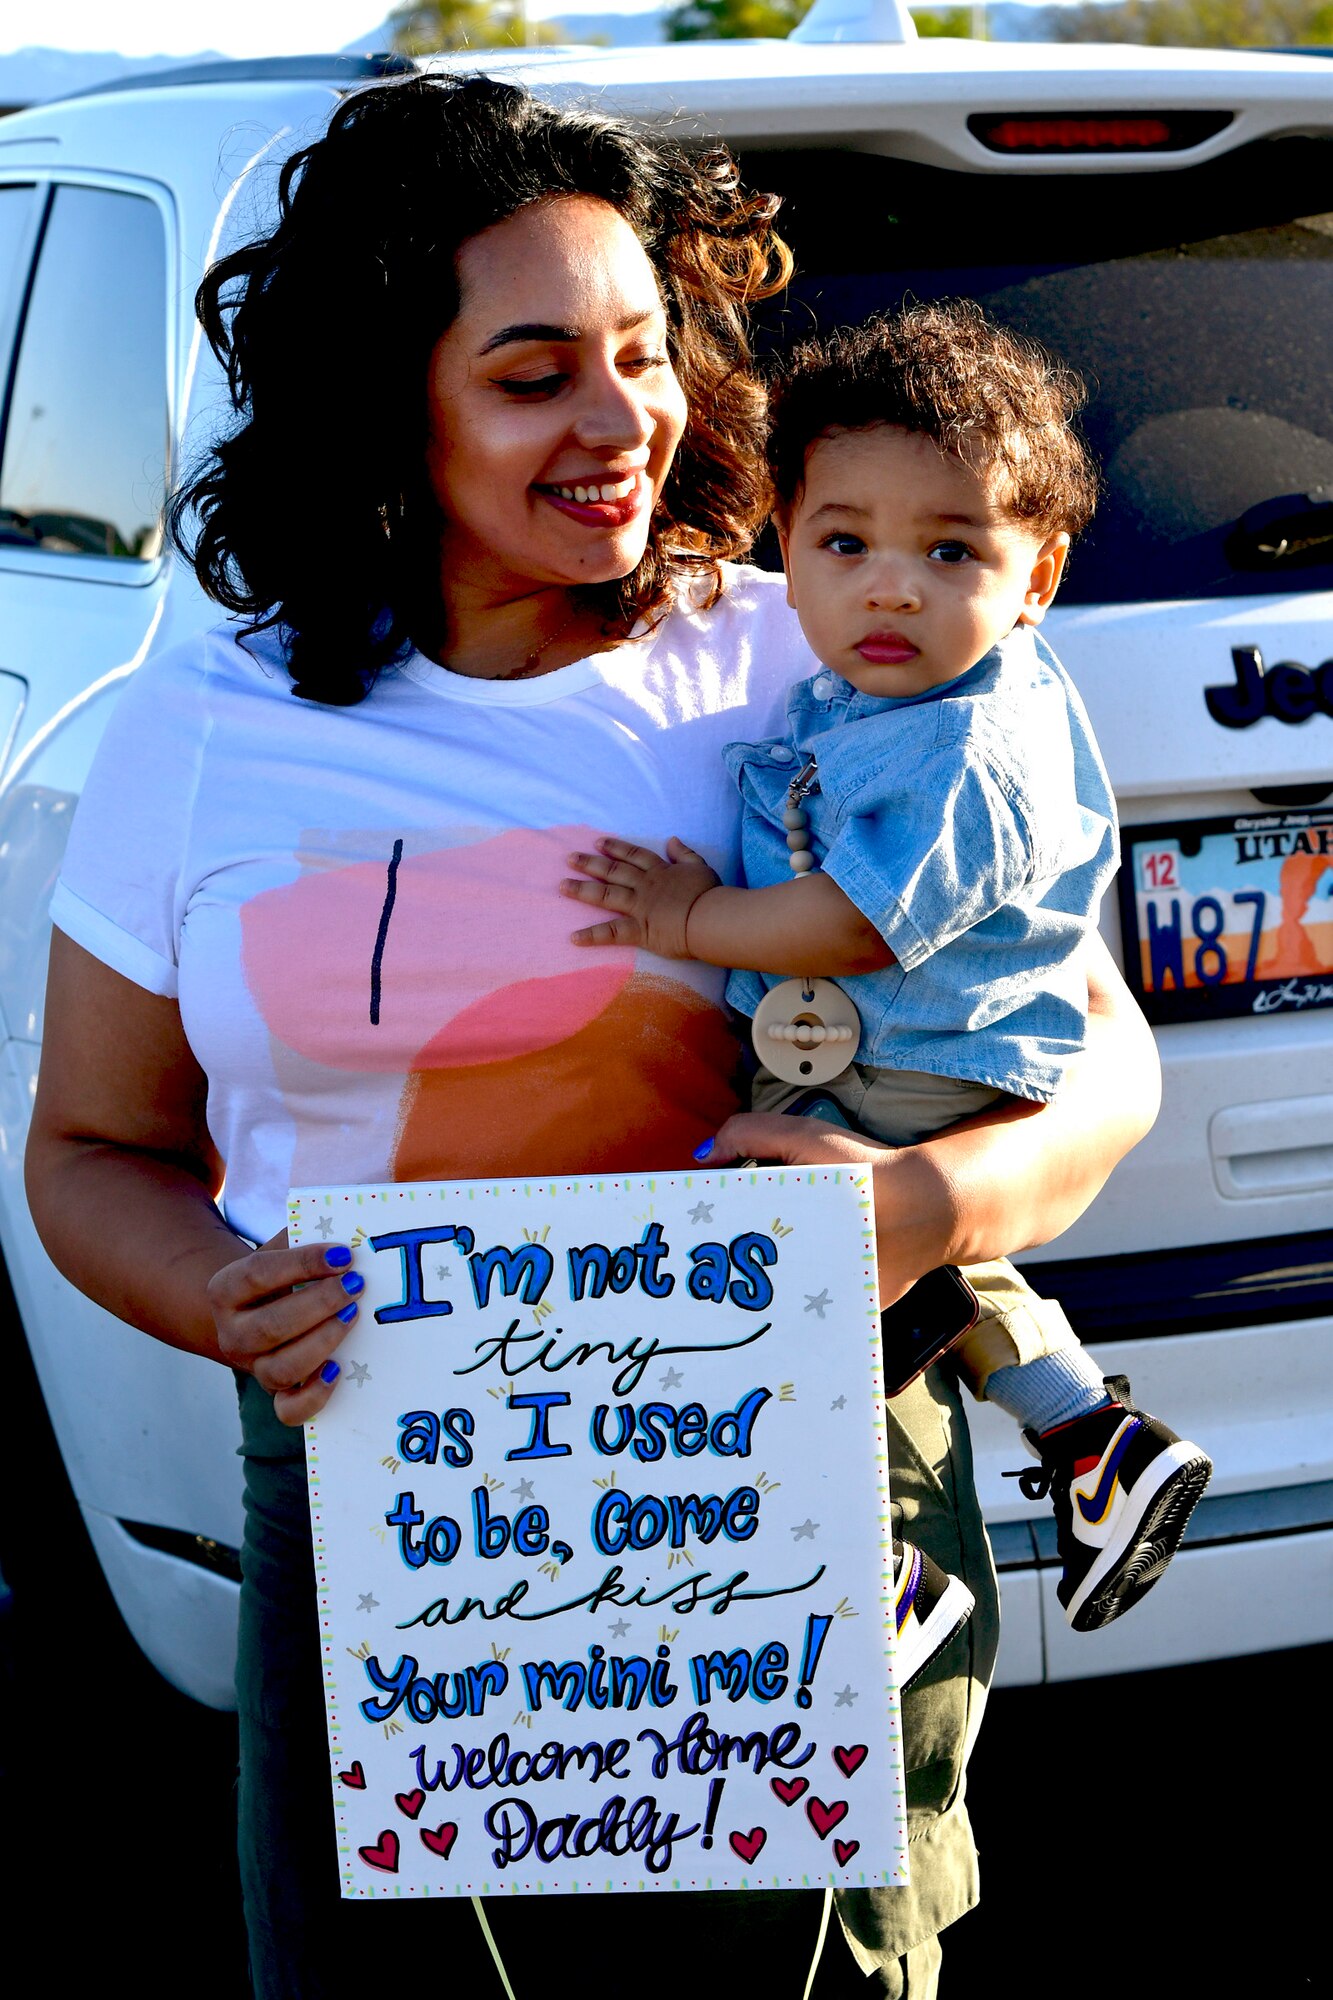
[[602, 1542]]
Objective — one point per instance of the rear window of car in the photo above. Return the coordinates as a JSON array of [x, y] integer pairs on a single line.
[[1194, 302]]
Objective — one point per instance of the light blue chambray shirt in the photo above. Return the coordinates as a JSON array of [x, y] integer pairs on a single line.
[[975, 827]]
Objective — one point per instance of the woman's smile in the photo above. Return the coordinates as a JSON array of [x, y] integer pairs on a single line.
[[602, 502]]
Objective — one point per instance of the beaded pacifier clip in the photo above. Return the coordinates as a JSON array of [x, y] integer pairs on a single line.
[[805, 1030]]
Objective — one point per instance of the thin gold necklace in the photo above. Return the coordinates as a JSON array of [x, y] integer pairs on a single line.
[[532, 663]]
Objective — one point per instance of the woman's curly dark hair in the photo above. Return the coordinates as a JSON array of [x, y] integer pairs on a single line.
[[314, 515]]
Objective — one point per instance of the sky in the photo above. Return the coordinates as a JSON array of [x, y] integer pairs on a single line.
[[232, 27]]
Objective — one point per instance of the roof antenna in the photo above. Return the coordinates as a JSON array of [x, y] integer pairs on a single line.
[[856, 21]]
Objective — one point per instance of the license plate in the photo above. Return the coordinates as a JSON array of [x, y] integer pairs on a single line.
[[1229, 916]]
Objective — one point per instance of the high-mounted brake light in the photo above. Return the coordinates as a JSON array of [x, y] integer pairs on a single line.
[[1096, 131]]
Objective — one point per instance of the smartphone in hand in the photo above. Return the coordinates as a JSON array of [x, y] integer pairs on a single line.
[[924, 1324]]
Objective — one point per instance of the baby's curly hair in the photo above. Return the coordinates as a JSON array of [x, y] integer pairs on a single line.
[[990, 397]]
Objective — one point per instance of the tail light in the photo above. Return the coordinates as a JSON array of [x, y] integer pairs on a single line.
[[1096, 131]]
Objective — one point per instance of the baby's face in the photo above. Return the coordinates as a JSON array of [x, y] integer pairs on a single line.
[[902, 565]]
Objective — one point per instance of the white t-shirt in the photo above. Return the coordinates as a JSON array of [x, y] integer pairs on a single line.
[[357, 908]]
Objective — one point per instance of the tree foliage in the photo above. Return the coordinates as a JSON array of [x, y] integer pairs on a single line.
[[1184, 24], [433, 27], [730, 20], [955, 21]]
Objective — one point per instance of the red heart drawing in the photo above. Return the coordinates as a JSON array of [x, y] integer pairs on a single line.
[[790, 1789], [845, 1849], [410, 1802], [824, 1818], [441, 1840], [355, 1779], [385, 1855], [747, 1845], [850, 1761]]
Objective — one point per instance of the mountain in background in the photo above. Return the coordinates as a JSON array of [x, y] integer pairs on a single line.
[[643, 28], [34, 75], [623, 31], [31, 76], [1006, 21]]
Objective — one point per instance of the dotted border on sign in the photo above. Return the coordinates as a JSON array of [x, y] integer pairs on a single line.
[[859, 1177]]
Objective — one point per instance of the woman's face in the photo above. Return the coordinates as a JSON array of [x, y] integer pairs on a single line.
[[553, 410]]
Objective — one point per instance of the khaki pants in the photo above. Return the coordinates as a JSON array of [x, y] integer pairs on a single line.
[[902, 1107]]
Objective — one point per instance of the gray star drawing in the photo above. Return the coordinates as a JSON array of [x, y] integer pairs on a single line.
[[523, 1491], [324, 1224], [442, 1272], [815, 1302], [846, 1696], [838, 1403], [806, 1532], [367, 1603], [672, 1379], [702, 1212], [358, 1372], [620, 1628]]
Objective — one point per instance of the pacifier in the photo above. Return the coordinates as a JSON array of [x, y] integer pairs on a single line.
[[806, 1031]]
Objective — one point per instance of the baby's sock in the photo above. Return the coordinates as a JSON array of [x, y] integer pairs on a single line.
[[1053, 1389]]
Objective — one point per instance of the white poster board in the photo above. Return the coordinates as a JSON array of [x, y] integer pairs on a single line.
[[602, 1545]]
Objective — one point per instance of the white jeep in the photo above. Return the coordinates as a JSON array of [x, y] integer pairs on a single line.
[[1164, 219]]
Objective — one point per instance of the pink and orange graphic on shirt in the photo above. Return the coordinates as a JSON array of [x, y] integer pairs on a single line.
[[452, 968]]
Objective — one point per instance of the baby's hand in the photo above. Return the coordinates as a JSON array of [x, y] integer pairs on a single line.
[[652, 897]]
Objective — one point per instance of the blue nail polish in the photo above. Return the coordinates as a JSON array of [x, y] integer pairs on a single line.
[[353, 1282], [330, 1372], [702, 1152], [338, 1256], [349, 1313]]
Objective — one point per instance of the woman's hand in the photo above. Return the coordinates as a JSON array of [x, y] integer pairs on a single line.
[[651, 896], [914, 1208], [280, 1314], [1014, 1176]]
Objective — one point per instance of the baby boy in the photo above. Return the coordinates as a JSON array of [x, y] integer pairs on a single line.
[[934, 834]]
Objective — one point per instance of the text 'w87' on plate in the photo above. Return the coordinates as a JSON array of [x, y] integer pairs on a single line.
[[1229, 916]]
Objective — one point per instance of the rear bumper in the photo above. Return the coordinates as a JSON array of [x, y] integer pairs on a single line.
[[1206, 1288], [1255, 1572], [1255, 1575]]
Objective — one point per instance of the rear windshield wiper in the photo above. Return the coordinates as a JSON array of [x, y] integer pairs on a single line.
[[16, 530], [1288, 532]]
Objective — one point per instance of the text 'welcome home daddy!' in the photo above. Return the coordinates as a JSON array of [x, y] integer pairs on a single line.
[[602, 1542]]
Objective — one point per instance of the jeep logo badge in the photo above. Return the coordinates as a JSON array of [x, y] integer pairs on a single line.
[[1288, 693]]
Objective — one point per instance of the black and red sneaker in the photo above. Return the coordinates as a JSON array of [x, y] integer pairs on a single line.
[[1123, 1487]]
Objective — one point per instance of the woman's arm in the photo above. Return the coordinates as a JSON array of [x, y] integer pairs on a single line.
[[1014, 1176], [122, 1181]]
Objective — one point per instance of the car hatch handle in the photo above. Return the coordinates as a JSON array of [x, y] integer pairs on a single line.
[[1288, 531]]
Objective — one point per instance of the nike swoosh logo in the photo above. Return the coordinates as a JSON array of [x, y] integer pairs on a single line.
[[1093, 1506], [910, 1584]]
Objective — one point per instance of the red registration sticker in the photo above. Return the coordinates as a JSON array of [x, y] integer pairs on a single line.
[[1229, 916]]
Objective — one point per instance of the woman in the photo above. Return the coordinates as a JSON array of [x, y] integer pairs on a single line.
[[321, 938]]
